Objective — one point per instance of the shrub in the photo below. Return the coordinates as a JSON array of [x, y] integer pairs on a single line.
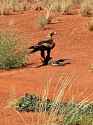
[[43, 21], [11, 54]]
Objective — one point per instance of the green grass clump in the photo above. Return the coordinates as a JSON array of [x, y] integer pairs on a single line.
[[78, 114], [12, 55], [72, 113], [31, 102]]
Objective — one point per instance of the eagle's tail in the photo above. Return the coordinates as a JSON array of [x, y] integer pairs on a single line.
[[33, 49]]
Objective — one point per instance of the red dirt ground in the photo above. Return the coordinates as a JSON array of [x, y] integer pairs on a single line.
[[73, 41]]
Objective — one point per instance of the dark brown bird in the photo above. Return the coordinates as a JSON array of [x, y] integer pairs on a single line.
[[44, 46]]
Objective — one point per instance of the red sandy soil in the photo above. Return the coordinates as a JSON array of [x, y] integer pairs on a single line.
[[73, 41]]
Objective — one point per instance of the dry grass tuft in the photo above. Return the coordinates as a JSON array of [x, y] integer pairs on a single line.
[[86, 8], [42, 21], [90, 24], [7, 7]]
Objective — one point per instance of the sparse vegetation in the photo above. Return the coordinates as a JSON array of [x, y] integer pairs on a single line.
[[9, 6], [58, 5], [86, 8], [11, 54]]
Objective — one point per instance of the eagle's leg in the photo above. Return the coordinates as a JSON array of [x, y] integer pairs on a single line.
[[48, 56], [43, 56]]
